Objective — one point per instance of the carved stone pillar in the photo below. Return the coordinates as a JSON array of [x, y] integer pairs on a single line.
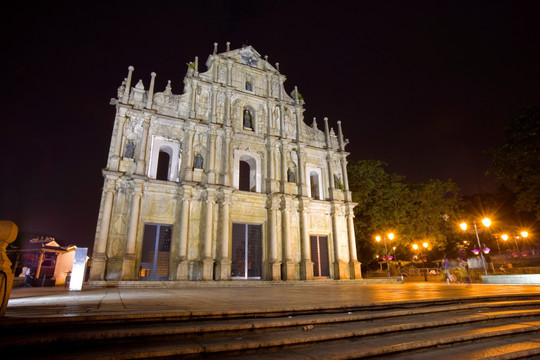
[[340, 267], [213, 101], [355, 270], [306, 265], [289, 266], [211, 169], [274, 263], [187, 158], [141, 163], [99, 258], [229, 161], [182, 267], [208, 261], [224, 265], [114, 161], [227, 120], [125, 98], [128, 267]]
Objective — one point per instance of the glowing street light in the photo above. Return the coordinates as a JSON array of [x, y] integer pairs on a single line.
[[416, 247], [486, 222], [386, 257]]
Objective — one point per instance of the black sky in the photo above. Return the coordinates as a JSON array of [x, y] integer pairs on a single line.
[[425, 86]]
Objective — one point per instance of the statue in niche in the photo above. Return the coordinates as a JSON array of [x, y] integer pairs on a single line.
[[291, 176], [198, 164], [249, 86], [130, 149], [121, 89], [247, 118]]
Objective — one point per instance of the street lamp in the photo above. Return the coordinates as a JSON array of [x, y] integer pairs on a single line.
[[416, 248], [378, 239], [486, 222]]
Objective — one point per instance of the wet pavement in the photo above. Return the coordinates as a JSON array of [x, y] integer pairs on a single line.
[[50, 302]]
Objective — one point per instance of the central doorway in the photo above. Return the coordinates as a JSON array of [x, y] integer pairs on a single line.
[[246, 251], [319, 256], [155, 252]]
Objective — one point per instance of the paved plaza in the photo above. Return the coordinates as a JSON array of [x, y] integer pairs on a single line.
[[236, 297]]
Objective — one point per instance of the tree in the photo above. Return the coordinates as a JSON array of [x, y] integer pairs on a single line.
[[516, 161], [414, 212]]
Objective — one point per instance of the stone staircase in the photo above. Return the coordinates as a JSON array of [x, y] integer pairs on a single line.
[[473, 328]]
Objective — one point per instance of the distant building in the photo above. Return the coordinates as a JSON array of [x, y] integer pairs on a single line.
[[49, 262], [224, 181]]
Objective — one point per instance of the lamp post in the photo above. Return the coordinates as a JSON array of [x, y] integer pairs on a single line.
[[378, 239], [416, 248], [486, 222], [524, 234]]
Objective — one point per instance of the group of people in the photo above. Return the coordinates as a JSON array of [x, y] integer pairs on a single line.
[[459, 274]]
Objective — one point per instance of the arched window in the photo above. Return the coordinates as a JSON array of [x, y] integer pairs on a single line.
[[244, 176], [164, 159], [247, 175], [163, 166], [314, 185]]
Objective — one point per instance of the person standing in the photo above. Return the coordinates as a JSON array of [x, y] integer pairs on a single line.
[[29, 277]]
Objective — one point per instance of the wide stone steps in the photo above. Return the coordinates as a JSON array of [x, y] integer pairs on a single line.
[[508, 328]]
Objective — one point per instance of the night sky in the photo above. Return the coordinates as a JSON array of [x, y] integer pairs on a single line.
[[427, 87]]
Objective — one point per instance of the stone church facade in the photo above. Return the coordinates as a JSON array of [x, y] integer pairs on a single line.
[[224, 181]]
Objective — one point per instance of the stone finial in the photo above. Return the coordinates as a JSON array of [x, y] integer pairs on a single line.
[[168, 89], [215, 48], [228, 46], [277, 66], [151, 90], [266, 57], [128, 84], [314, 124]]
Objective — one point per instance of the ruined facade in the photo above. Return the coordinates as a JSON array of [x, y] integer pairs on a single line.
[[224, 181]]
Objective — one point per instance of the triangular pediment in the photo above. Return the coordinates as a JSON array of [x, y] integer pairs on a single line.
[[249, 56]]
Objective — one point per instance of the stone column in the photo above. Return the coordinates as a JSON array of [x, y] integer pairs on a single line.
[[283, 167], [289, 266], [229, 160], [208, 261], [340, 267], [141, 163], [187, 158], [182, 266], [227, 120], [213, 100], [114, 161], [99, 257], [128, 267], [302, 173], [306, 265], [355, 270], [125, 98], [8, 233], [151, 91], [193, 98], [274, 263], [211, 168], [224, 265], [229, 72]]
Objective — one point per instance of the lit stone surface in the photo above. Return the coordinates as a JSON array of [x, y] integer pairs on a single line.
[[223, 181]]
